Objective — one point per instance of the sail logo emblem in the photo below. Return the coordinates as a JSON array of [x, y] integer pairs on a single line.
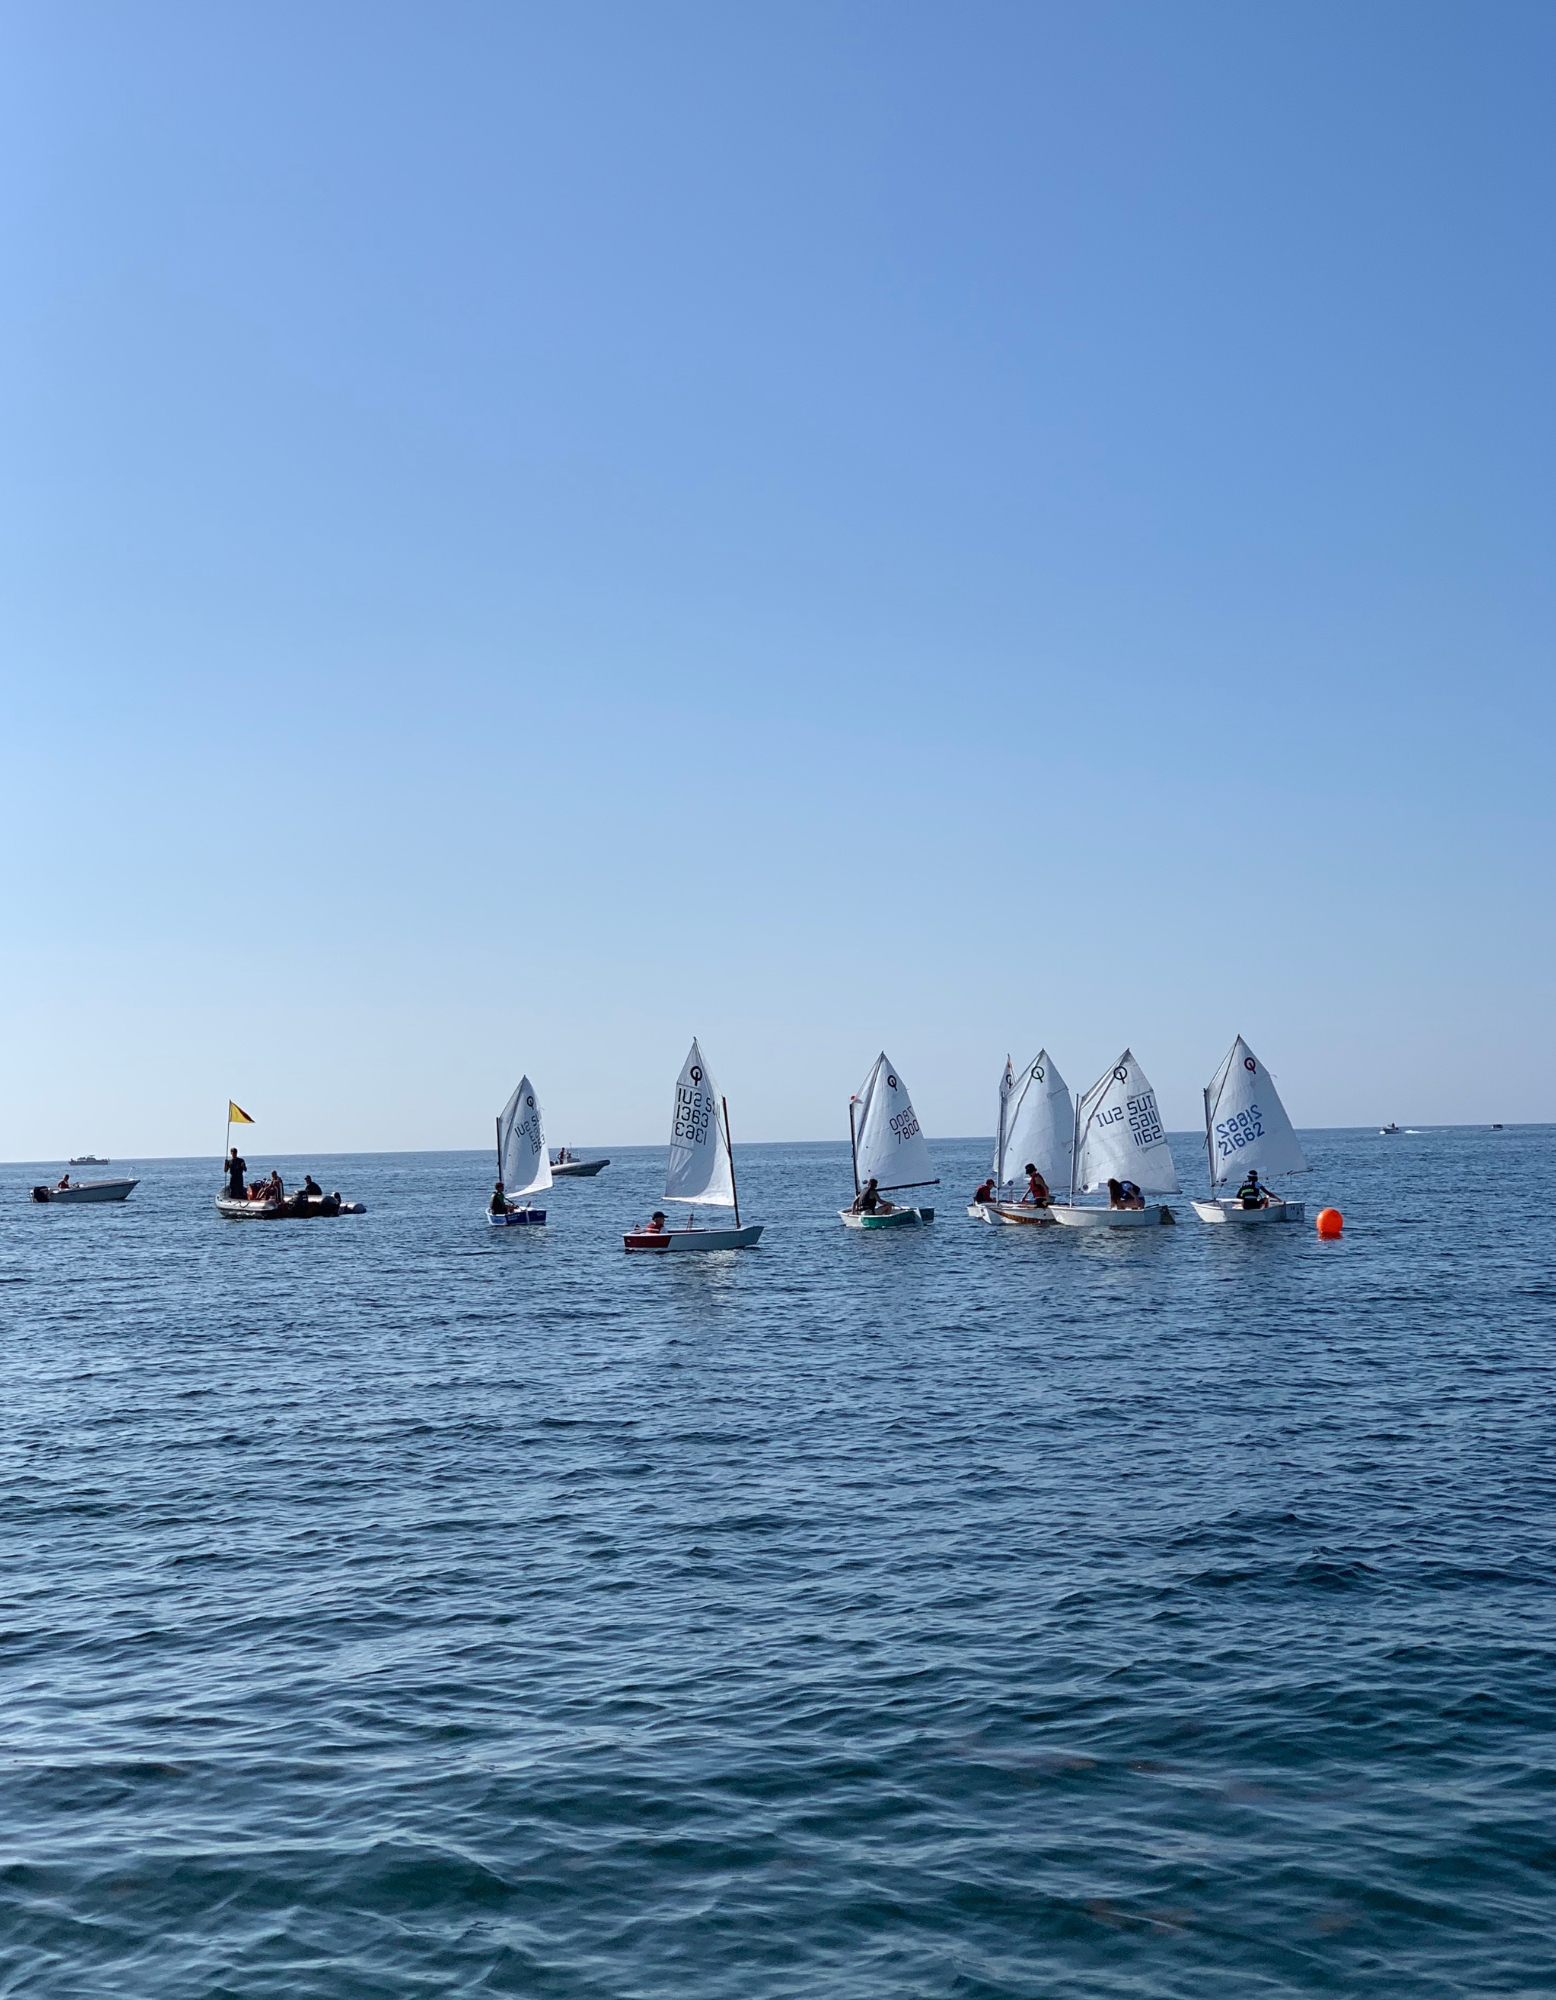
[[530, 1102], [891, 1081], [696, 1074], [1121, 1075], [1250, 1065], [1037, 1072]]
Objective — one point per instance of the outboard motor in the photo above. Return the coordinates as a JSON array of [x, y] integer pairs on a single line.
[[40, 1194]]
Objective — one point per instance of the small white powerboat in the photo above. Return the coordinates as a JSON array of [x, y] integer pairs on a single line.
[[565, 1167], [86, 1191], [1388, 1131]]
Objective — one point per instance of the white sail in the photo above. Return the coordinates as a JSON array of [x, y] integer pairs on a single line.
[[1246, 1123], [521, 1144], [888, 1140], [1007, 1085], [1040, 1127], [699, 1169], [1121, 1135]]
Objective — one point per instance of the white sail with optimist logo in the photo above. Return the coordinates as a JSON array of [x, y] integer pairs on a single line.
[[888, 1139], [1007, 1088], [1246, 1123], [1119, 1133], [1040, 1124], [700, 1169], [523, 1158]]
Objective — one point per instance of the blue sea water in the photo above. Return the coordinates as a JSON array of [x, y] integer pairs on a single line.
[[395, 1607]]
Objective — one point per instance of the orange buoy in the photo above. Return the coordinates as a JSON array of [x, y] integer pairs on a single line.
[[1330, 1222]]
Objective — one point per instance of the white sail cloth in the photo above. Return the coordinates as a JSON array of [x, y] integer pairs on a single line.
[[1040, 1124], [888, 1139], [524, 1162], [1007, 1086], [1246, 1123], [1120, 1133], [699, 1169]]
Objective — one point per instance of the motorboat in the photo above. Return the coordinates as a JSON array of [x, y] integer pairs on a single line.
[[700, 1170], [565, 1167], [1388, 1131], [89, 1160], [887, 1143], [291, 1208], [86, 1191]]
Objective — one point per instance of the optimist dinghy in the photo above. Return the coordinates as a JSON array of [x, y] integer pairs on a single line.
[[1246, 1127], [888, 1148], [523, 1163], [86, 1191], [701, 1168], [1036, 1129], [1118, 1135]]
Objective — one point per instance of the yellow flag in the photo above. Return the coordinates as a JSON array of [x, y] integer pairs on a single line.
[[235, 1116]]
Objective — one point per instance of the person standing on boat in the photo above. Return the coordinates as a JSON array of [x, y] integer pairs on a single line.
[[236, 1169], [1251, 1194], [1038, 1193], [498, 1205]]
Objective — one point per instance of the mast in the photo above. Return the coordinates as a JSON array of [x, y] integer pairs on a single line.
[[1210, 1149], [999, 1144], [729, 1148], [1075, 1149], [853, 1146], [497, 1121]]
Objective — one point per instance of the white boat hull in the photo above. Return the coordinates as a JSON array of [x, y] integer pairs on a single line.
[[658, 1243], [893, 1218], [87, 1191], [1020, 1214], [517, 1218], [577, 1169], [1233, 1211], [1149, 1217]]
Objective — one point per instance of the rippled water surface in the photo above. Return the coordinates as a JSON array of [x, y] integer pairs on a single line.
[[393, 1607]]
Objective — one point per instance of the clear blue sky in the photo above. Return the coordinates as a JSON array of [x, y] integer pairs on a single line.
[[527, 533]]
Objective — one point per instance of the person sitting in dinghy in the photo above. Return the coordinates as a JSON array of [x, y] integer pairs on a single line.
[[499, 1203], [869, 1200], [1251, 1194], [1038, 1193], [311, 1191], [655, 1225], [1124, 1194], [986, 1192]]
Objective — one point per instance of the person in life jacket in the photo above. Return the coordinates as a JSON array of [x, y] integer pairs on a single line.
[[1251, 1194], [1037, 1190]]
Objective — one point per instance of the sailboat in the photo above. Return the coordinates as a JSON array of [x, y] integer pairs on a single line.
[[523, 1163], [1246, 1126], [701, 1168], [1037, 1128], [1118, 1135], [888, 1148]]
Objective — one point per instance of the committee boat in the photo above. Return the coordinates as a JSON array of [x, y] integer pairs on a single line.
[[1118, 1135], [700, 1171], [523, 1163], [290, 1208], [86, 1191], [1246, 1127], [566, 1167], [1036, 1129], [888, 1148]]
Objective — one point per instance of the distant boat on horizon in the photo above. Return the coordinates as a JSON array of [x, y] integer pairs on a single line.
[[90, 1160]]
